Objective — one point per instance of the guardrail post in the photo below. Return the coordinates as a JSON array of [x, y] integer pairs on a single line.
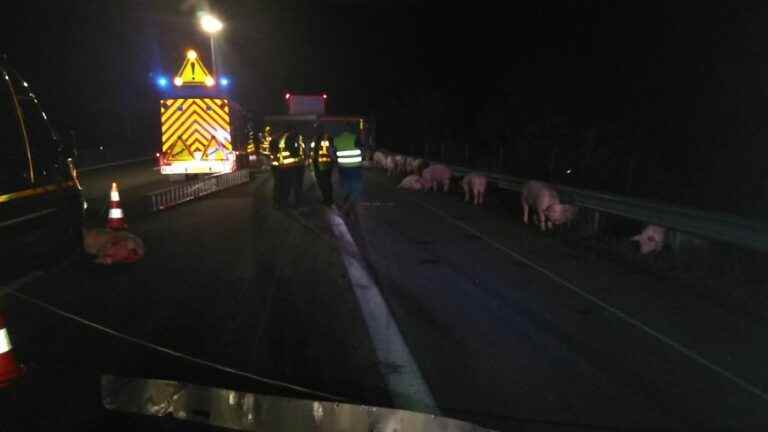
[[466, 151], [596, 222]]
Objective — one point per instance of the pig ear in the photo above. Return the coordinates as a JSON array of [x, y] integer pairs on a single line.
[[636, 238]]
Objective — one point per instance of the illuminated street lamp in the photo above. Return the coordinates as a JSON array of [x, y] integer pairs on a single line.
[[211, 25]]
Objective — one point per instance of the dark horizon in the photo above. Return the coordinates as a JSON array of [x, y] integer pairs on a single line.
[[679, 87]]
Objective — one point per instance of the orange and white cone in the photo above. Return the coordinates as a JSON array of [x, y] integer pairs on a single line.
[[10, 370], [116, 218]]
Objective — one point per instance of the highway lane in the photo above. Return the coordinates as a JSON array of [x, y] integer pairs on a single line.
[[227, 279], [532, 350], [134, 180]]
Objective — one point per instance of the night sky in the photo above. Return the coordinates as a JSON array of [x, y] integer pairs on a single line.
[[678, 88]]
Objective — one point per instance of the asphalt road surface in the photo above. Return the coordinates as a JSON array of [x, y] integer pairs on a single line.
[[423, 303]]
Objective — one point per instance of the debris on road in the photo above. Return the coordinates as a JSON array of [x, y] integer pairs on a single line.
[[112, 247]]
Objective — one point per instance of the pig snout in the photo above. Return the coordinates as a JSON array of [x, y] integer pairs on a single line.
[[651, 239], [559, 214]]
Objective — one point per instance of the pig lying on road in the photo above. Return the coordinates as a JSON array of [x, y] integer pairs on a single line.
[[111, 247], [546, 204], [474, 185], [435, 174], [651, 239], [412, 182]]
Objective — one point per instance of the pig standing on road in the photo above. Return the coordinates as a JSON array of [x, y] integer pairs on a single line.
[[416, 166], [409, 164], [435, 174], [474, 185], [651, 239], [400, 164], [112, 247], [412, 182], [380, 159], [546, 203], [391, 165]]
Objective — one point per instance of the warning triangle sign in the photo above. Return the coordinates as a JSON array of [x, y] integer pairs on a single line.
[[193, 72]]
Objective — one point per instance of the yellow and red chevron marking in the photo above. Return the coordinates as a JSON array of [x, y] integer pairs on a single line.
[[195, 125]]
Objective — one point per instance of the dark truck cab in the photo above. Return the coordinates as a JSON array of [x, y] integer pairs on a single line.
[[41, 207]]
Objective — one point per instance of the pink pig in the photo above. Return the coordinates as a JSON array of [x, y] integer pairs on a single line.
[[412, 182], [391, 165], [651, 239], [474, 184], [380, 159], [435, 174], [416, 166], [409, 164], [545, 201], [112, 247], [400, 167]]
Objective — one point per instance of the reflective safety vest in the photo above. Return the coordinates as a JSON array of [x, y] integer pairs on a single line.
[[348, 155], [289, 152], [251, 147], [321, 153], [265, 140]]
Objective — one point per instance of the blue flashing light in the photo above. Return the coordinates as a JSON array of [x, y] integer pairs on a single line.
[[162, 82], [224, 81]]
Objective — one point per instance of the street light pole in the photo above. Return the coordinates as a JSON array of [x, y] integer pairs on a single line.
[[213, 55], [211, 25]]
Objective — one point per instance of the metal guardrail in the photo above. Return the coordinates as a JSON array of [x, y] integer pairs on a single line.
[[700, 223], [190, 190]]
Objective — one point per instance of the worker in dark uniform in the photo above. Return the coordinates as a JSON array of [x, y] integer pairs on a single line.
[[298, 148], [278, 172], [268, 141], [322, 162], [288, 155]]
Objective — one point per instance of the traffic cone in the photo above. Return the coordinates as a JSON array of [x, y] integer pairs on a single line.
[[115, 219], [10, 370]]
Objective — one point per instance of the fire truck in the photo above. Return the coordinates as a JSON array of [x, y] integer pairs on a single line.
[[203, 131]]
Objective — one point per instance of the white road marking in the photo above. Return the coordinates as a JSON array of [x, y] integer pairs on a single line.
[[95, 167], [406, 384], [18, 283], [676, 345], [159, 348], [26, 217]]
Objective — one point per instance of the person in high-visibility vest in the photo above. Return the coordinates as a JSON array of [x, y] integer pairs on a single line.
[[322, 161], [266, 138], [288, 159], [349, 159]]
